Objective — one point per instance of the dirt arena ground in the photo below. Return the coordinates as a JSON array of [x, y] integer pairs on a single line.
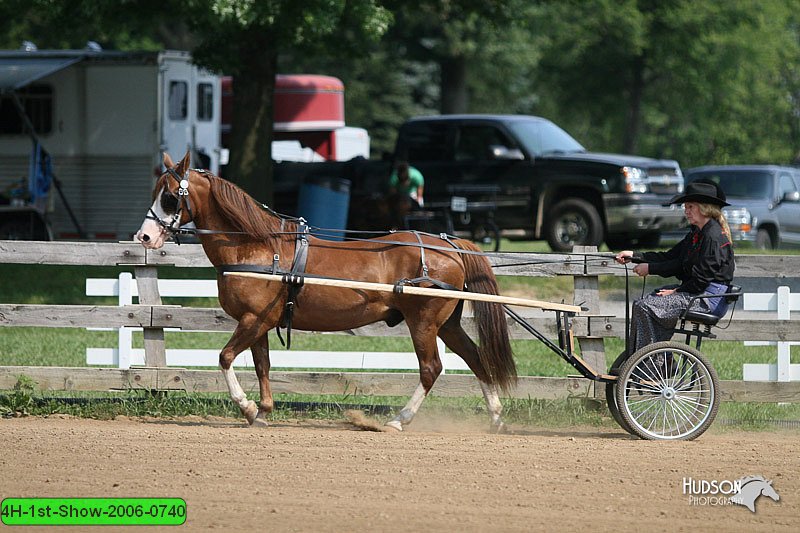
[[439, 476]]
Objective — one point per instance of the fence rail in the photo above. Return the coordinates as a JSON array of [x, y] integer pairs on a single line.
[[154, 317]]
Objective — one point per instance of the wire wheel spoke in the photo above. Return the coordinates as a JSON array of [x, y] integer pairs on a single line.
[[667, 391]]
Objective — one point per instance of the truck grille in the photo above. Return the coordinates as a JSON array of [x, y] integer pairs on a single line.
[[665, 180]]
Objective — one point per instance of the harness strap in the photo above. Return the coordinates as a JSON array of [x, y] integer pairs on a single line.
[[425, 278], [421, 254], [398, 287], [294, 280]]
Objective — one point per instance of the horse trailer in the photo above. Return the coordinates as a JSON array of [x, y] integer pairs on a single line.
[[95, 124]]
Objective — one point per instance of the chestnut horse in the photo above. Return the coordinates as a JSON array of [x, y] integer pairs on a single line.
[[234, 229]]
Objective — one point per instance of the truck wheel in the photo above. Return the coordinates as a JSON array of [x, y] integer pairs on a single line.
[[764, 240], [573, 221], [488, 234]]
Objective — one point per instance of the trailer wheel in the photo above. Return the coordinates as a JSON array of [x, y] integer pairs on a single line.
[[573, 221], [668, 391]]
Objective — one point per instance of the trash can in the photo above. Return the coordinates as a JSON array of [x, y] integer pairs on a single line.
[[324, 202]]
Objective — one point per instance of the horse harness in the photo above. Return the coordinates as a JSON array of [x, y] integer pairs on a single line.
[[293, 277]]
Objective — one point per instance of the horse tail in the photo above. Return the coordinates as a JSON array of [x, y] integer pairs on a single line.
[[494, 349]]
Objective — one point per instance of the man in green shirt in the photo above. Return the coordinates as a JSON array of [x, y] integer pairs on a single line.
[[407, 180]]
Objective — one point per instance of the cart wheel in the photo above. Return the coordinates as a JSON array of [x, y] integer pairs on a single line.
[[667, 391], [611, 401], [611, 394]]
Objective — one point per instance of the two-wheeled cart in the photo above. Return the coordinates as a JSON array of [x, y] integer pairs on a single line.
[[664, 391]]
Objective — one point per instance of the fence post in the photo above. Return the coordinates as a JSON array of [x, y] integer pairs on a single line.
[[587, 294], [147, 283], [124, 335]]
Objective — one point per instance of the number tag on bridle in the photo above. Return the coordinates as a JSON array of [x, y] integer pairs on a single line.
[[184, 188]]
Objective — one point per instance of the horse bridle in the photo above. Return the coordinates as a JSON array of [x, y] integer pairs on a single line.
[[174, 228]]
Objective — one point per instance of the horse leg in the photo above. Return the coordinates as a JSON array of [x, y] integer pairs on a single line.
[[430, 366], [260, 351], [459, 342], [248, 330]]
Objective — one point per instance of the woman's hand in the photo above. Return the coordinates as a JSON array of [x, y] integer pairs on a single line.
[[624, 257], [665, 292], [642, 269]]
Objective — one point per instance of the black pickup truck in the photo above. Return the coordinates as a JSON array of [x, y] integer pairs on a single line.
[[535, 176]]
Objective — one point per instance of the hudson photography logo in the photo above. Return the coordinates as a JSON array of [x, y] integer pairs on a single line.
[[744, 491]]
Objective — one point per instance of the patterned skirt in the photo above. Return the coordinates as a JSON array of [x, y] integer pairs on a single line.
[[654, 317]]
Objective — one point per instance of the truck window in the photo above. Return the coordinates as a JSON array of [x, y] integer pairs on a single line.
[[785, 184], [177, 100], [473, 142], [542, 136], [205, 101], [739, 183], [424, 142], [37, 100]]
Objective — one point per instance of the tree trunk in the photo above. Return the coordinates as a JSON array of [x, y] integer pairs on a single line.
[[252, 120], [633, 116], [454, 97]]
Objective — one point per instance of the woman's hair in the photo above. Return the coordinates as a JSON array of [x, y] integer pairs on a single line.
[[715, 212]]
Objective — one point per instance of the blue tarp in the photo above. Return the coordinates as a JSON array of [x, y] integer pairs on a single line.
[[40, 176]]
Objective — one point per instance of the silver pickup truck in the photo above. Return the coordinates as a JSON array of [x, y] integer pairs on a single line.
[[765, 201]]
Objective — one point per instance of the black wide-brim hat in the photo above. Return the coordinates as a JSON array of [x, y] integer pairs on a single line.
[[702, 192]]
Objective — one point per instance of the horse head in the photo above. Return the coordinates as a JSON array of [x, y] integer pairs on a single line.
[[769, 491], [172, 204], [752, 487]]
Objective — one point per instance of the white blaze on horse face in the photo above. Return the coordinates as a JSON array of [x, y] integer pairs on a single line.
[[151, 234]]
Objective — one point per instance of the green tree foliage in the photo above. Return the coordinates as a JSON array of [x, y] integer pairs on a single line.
[[696, 80], [244, 38], [454, 36], [69, 24], [701, 81]]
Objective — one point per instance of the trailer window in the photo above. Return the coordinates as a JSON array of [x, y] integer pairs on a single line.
[[37, 100], [205, 101], [177, 100]]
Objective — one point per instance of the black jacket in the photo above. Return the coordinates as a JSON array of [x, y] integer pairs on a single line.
[[703, 256]]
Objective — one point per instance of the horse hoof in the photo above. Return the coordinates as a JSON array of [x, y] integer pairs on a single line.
[[250, 412], [259, 423], [497, 429], [394, 424]]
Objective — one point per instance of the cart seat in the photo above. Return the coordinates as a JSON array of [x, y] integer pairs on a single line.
[[707, 320], [711, 319]]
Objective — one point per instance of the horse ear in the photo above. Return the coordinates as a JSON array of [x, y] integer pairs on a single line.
[[168, 161], [183, 165]]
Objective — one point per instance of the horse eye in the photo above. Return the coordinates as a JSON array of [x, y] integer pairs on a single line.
[[169, 202]]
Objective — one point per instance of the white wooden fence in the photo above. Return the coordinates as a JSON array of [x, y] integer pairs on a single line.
[[154, 318], [783, 302], [125, 355]]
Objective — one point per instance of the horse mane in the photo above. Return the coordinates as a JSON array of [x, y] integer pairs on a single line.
[[244, 213], [745, 480]]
